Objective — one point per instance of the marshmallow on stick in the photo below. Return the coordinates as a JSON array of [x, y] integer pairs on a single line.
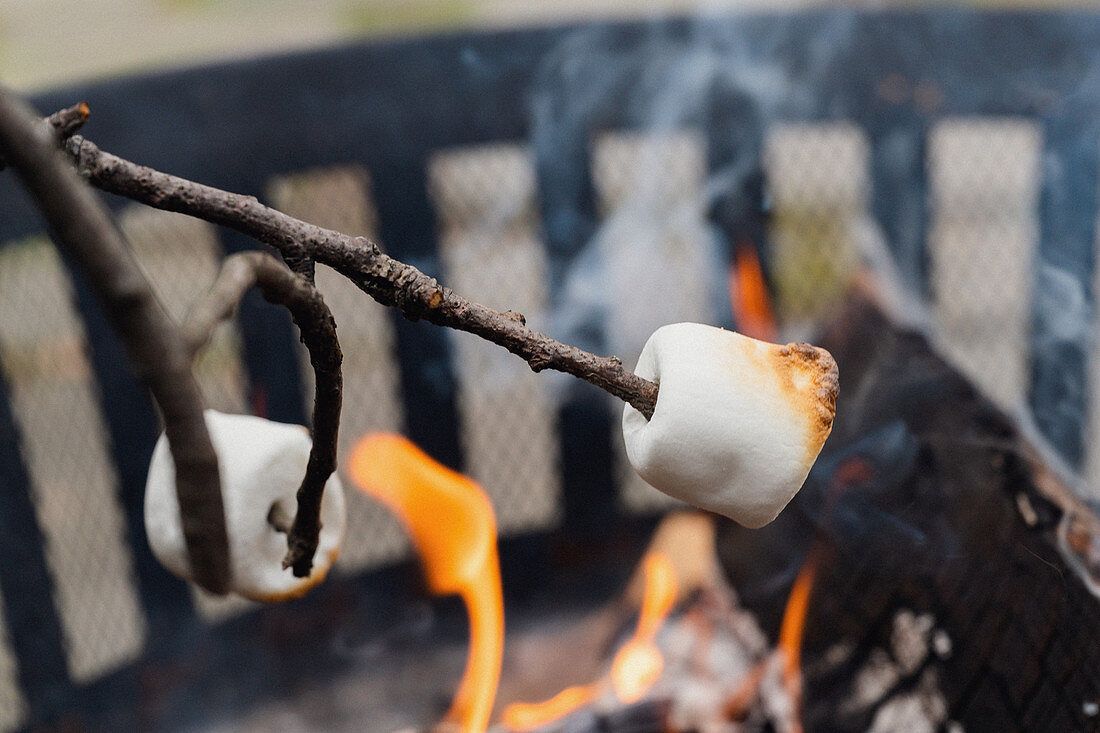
[[738, 422], [261, 464]]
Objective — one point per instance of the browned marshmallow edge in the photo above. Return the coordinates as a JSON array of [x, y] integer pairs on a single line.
[[807, 379]]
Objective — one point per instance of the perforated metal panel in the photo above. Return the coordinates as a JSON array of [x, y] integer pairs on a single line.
[[64, 442], [984, 185], [484, 199], [817, 175], [12, 704], [659, 261], [181, 256]]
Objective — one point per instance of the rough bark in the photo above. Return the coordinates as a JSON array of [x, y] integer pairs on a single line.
[[387, 280]]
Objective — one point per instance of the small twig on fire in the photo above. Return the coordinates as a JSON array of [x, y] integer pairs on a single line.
[[387, 280], [80, 223], [64, 122], [281, 286]]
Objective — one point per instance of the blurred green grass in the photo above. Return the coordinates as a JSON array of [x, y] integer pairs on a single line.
[[415, 15]]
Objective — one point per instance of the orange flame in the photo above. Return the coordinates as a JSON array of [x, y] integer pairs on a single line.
[[636, 667], [752, 309], [638, 664], [451, 523], [788, 654], [792, 628], [527, 716]]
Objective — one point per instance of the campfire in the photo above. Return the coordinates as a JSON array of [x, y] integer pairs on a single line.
[[938, 570], [934, 574]]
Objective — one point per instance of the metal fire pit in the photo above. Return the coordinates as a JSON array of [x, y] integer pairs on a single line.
[[599, 179]]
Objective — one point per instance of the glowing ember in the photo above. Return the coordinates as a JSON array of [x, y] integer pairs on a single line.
[[752, 309], [451, 523], [636, 667]]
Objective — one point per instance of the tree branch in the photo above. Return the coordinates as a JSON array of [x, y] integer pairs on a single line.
[[386, 280], [81, 225], [281, 286]]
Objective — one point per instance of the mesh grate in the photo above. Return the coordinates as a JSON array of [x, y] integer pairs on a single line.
[[983, 176], [660, 262], [54, 400], [180, 256], [485, 202], [339, 198], [955, 605], [818, 180]]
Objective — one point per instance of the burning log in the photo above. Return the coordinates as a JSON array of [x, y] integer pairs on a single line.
[[945, 590], [934, 574]]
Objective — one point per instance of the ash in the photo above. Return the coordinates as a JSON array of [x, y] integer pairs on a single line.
[[720, 675], [714, 654]]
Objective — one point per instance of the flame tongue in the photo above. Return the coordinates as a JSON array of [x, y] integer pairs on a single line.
[[636, 667], [451, 523], [527, 716], [752, 308], [794, 622], [788, 653]]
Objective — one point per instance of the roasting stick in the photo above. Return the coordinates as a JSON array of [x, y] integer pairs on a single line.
[[200, 545], [385, 279], [738, 431], [82, 226], [738, 424]]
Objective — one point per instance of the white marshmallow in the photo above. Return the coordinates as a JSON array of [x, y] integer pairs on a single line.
[[260, 463], [738, 422]]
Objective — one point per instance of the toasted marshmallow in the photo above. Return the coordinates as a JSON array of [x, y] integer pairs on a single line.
[[261, 464], [738, 422]]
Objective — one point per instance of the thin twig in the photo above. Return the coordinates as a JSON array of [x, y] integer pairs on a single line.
[[386, 280], [64, 122], [281, 286], [81, 224]]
